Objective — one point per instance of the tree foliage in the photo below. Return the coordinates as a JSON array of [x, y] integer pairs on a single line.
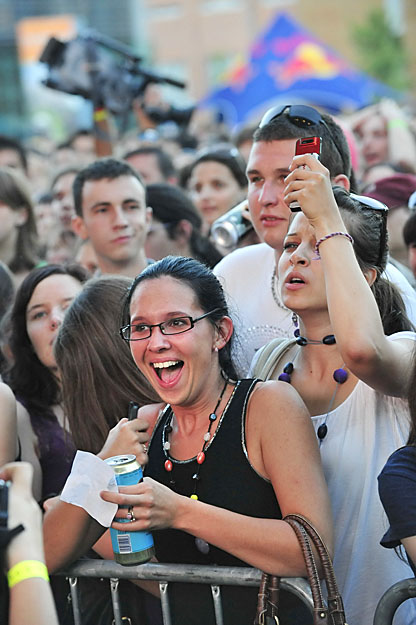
[[382, 52]]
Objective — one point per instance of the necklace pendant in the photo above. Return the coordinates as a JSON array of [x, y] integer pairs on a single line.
[[194, 496], [322, 431], [168, 466], [200, 457], [340, 376]]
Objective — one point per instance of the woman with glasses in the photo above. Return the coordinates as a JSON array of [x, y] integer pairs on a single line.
[[350, 361], [227, 458]]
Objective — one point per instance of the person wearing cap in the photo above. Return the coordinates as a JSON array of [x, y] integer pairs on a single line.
[[395, 191]]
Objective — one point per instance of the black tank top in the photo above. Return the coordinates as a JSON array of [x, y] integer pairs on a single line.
[[227, 480]]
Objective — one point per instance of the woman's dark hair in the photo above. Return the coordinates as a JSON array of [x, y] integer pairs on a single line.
[[15, 193], [98, 375], [368, 228], [206, 287], [29, 379], [225, 154], [170, 206]]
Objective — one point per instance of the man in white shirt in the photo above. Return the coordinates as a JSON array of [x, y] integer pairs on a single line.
[[249, 274]]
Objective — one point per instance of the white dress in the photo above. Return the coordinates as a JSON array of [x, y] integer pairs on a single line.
[[362, 433], [246, 276]]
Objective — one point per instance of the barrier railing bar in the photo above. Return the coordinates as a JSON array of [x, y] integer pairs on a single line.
[[164, 600], [215, 576], [216, 597], [115, 600], [392, 599], [73, 586]]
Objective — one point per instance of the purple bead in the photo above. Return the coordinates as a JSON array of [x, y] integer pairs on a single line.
[[340, 375], [296, 332], [284, 377]]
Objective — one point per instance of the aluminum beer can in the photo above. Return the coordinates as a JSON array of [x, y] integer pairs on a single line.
[[129, 548]]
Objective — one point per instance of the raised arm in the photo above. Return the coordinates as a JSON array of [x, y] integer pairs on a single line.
[[282, 446], [355, 318]]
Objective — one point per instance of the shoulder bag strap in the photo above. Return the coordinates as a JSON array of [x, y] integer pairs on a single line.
[[269, 356], [306, 533]]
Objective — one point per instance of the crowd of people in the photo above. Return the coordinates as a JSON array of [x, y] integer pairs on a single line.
[[275, 378]]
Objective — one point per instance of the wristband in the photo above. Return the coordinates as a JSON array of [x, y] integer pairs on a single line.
[[26, 569], [329, 236], [398, 122], [100, 115]]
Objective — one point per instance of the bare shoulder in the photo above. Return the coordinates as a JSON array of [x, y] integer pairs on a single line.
[[280, 396], [150, 413], [7, 399]]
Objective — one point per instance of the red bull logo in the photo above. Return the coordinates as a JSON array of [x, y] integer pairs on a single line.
[[239, 75], [307, 60]]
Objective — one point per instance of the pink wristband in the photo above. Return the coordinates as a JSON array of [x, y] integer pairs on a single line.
[[329, 236]]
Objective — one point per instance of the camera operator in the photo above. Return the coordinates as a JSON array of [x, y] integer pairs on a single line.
[[30, 596]]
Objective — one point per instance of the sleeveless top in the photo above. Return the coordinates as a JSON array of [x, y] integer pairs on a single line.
[[227, 480], [56, 450]]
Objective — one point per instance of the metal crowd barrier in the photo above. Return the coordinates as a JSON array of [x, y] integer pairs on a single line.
[[392, 599], [215, 576]]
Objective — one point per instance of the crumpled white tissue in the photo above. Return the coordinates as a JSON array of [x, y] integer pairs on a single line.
[[89, 476]]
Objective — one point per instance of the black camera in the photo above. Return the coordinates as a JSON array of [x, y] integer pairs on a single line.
[[4, 503], [100, 69]]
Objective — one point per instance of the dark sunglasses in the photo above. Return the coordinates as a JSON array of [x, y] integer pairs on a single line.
[[375, 205], [300, 115]]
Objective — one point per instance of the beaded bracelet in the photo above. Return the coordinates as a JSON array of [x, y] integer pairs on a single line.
[[329, 236], [25, 570]]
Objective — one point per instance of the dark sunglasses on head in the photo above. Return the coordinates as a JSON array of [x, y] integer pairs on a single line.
[[300, 115], [369, 202]]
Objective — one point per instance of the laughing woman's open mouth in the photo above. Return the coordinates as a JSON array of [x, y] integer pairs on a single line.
[[168, 371]]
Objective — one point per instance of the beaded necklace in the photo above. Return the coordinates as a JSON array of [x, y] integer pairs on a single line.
[[200, 458], [340, 376]]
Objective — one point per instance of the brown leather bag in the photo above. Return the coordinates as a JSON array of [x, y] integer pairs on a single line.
[[329, 613]]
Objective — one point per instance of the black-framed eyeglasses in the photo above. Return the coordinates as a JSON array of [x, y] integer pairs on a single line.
[[300, 115], [176, 325], [375, 205]]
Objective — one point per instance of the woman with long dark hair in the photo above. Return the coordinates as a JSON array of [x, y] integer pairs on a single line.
[[35, 318], [350, 361], [227, 458]]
